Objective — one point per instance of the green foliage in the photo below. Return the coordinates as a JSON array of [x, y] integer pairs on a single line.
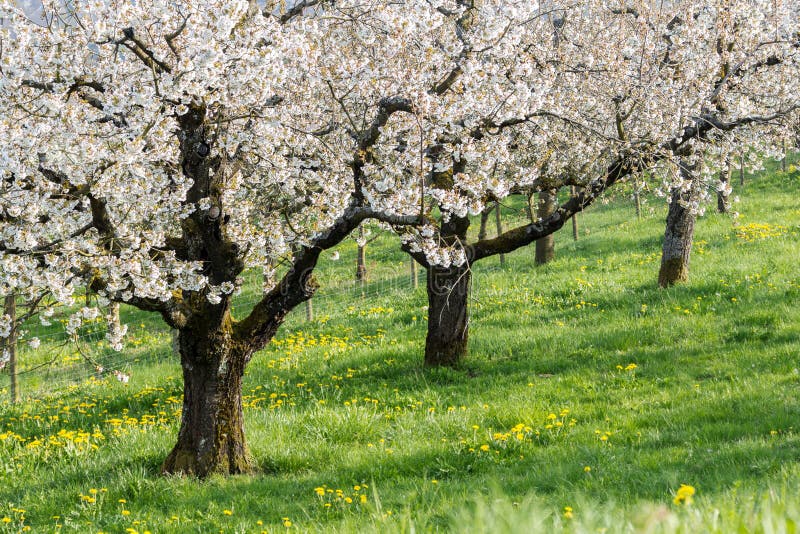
[[587, 387]]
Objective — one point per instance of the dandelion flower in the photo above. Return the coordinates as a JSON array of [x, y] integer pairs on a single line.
[[684, 494]]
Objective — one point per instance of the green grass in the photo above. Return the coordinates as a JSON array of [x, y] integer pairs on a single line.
[[713, 401]]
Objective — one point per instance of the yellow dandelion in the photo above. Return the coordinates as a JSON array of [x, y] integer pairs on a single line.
[[684, 495]]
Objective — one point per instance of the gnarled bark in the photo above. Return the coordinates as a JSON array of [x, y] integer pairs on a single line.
[[211, 437], [679, 232], [448, 316]]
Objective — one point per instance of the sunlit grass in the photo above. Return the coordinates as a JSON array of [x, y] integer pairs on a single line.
[[588, 399]]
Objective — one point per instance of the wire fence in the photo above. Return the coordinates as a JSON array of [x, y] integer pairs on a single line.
[[61, 360]]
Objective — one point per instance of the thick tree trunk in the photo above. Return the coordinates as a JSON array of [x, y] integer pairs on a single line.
[[679, 231], [545, 246], [10, 345], [211, 437], [448, 316]]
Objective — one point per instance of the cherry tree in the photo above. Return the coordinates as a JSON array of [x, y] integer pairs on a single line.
[[631, 87], [155, 150]]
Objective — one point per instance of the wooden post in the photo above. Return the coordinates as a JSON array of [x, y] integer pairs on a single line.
[[361, 261], [529, 209], [574, 218], [783, 160], [414, 273], [10, 345], [741, 169], [637, 198], [723, 196], [482, 233], [309, 310], [499, 224]]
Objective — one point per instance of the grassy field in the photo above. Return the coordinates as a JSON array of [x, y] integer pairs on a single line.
[[589, 397]]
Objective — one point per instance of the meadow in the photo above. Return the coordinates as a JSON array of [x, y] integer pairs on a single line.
[[591, 401]]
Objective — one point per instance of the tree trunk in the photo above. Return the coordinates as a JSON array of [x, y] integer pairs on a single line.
[[10, 345], [499, 223], [679, 231], [211, 437], [482, 230], [545, 247], [724, 189], [448, 317]]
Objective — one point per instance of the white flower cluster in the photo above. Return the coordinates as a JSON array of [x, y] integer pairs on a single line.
[[420, 107]]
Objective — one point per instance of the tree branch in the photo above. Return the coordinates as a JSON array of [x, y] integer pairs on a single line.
[[298, 284], [620, 169]]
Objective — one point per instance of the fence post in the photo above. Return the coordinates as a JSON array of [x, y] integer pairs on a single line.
[[499, 224], [574, 218], [361, 261], [741, 169], [10, 345], [414, 273], [783, 160]]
